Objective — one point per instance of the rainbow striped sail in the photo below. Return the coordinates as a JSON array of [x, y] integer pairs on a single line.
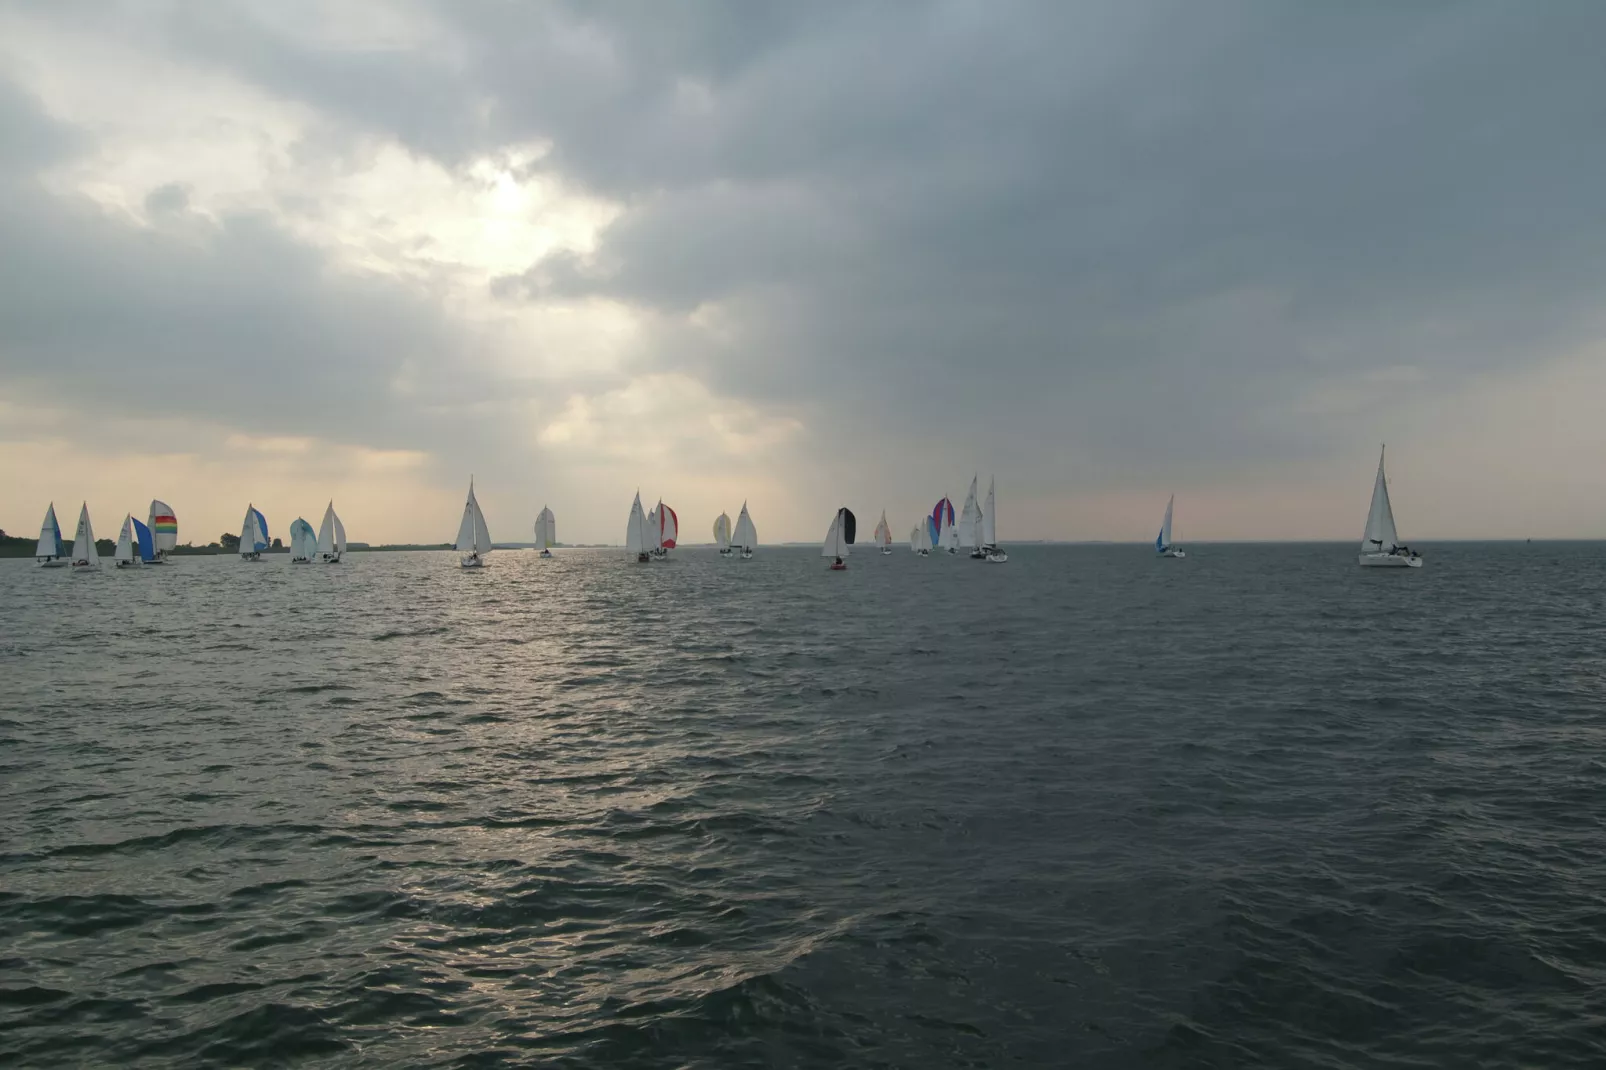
[[164, 527]]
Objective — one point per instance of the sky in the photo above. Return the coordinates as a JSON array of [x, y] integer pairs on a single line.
[[805, 255]]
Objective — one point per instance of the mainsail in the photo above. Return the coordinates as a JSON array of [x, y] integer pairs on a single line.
[[83, 543], [1380, 536], [1163, 542], [989, 522], [636, 533], [746, 535], [50, 544], [970, 520], [472, 535], [332, 535], [917, 539], [124, 554]]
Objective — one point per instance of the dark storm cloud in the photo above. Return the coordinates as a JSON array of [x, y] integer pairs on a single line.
[[1130, 230]]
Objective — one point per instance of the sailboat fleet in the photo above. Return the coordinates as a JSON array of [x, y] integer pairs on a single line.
[[650, 535]]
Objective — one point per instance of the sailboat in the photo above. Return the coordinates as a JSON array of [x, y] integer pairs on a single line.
[[125, 556], [253, 534], [163, 523], [546, 531], [303, 542], [918, 541], [332, 535], [746, 535], [473, 540], [1162, 543], [84, 554], [883, 534], [989, 527], [838, 538], [52, 552], [970, 524], [636, 534], [654, 535], [722, 534], [1380, 545], [667, 527], [942, 517]]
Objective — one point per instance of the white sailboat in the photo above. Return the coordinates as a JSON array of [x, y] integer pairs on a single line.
[[838, 538], [746, 535], [546, 531], [303, 542], [918, 541], [665, 524], [253, 534], [473, 540], [722, 534], [52, 552], [1380, 545], [655, 545], [636, 538], [970, 524], [125, 556], [84, 554], [163, 523], [883, 534], [1162, 542], [331, 545], [989, 527]]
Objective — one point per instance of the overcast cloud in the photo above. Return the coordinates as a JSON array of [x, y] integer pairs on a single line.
[[805, 254]]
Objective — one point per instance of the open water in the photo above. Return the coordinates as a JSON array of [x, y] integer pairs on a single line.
[[1254, 808]]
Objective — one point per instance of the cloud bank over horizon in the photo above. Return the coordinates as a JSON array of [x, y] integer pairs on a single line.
[[803, 255]]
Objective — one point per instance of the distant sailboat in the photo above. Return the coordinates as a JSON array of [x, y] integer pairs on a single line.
[[883, 534], [636, 534], [1162, 543], [303, 542], [331, 543], [918, 542], [722, 534], [473, 540], [945, 537], [163, 523], [1380, 545], [667, 525], [970, 524], [746, 535], [126, 556], [84, 553], [52, 552], [546, 531], [253, 534], [989, 527], [838, 538]]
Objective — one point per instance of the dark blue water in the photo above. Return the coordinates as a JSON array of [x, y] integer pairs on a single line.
[[1255, 808]]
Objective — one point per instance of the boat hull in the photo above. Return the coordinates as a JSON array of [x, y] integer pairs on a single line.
[[1389, 561], [57, 563], [998, 557], [471, 562], [1174, 553]]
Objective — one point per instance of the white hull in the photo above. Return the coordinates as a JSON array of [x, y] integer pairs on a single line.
[[747, 555], [1389, 561], [1174, 553], [472, 562], [544, 553], [998, 557], [886, 551], [57, 563], [127, 564]]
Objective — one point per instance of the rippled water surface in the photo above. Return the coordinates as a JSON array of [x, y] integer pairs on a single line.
[[1258, 807]]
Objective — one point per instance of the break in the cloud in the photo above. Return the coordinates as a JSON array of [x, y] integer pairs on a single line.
[[803, 254]]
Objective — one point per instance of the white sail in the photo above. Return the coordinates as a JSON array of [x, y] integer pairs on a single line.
[[883, 532], [1380, 536], [1163, 543], [834, 545], [546, 529], [951, 539], [50, 546], [989, 521], [636, 533], [163, 523], [745, 536], [331, 536], [253, 532], [722, 531], [917, 539], [83, 543], [124, 554], [655, 530], [970, 519], [472, 535]]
